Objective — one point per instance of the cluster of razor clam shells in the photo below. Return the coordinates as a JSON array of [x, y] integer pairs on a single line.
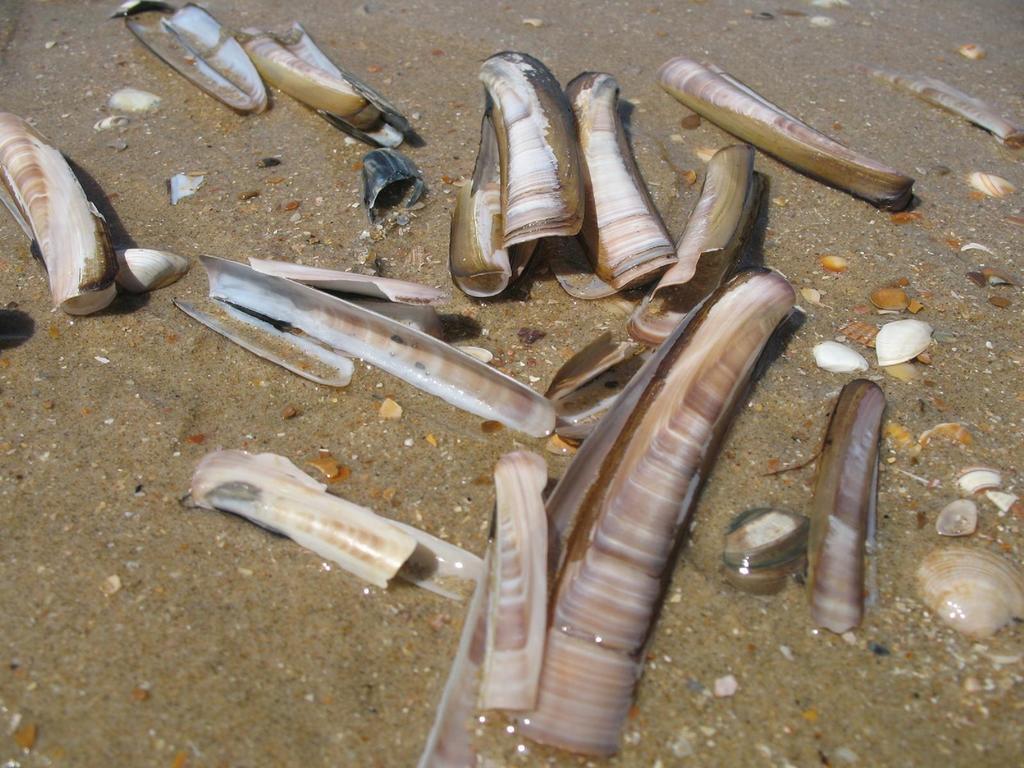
[[566, 596]]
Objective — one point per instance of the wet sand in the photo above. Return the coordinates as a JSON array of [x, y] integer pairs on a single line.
[[227, 646]]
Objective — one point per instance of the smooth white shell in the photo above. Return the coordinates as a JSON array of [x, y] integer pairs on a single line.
[[146, 269], [972, 590], [990, 184], [838, 358], [1004, 501], [974, 479], [184, 185], [901, 341], [133, 100], [958, 518]]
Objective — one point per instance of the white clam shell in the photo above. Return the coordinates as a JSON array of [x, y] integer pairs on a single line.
[[838, 358], [901, 341], [990, 184], [133, 100], [147, 269], [972, 590], [975, 479], [958, 518]]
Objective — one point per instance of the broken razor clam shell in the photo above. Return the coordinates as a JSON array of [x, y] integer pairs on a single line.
[[843, 507], [974, 591], [958, 518], [631, 506], [275, 343], [517, 610], [415, 357], [838, 358], [147, 269], [763, 548], [734, 107], [956, 101], [128, 100], [567, 257], [478, 261], [390, 179], [710, 248], [371, 286], [45, 198], [194, 44], [902, 340], [275, 494], [182, 185], [625, 237], [580, 410], [292, 62], [541, 174], [590, 362]]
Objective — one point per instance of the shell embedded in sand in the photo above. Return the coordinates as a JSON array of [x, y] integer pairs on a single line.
[[146, 269], [972, 51], [990, 184], [972, 590], [901, 341], [837, 358]]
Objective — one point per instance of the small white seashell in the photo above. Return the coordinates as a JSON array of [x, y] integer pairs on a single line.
[[830, 3], [901, 341], [726, 686], [975, 479], [1004, 501], [990, 184], [822, 21], [972, 590], [976, 247], [184, 185], [133, 100], [113, 121], [481, 354], [838, 358], [146, 269], [972, 51], [958, 518], [533, 22]]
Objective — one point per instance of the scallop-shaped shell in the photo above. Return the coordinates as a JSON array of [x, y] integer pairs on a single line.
[[763, 547], [972, 590], [958, 518], [990, 184], [901, 341], [838, 358], [146, 269], [975, 479]]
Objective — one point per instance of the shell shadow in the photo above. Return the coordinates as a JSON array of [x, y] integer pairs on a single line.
[[16, 327]]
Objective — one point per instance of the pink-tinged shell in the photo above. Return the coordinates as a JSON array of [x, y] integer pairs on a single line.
[[974, 591]]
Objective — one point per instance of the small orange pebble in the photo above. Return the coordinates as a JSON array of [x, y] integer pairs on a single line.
[[690, 177], [197, 439], [180, 759], [859, 332], [374, 68], [329, 467], [291, 205], [25, 737], [54, 331], [890, 298], [690, 122], [952, 431], [431, 439], [290, 412], [810, 715], [914, 306], [999, 301], [437, 52], [954, 243], [490, 427], [835, 264], [899, 434], [905, 217], [924, 358], [275, 180], [140, 694], [390, 410], [560, 446]]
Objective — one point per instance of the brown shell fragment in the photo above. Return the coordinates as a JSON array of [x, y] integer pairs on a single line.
[[890, 298], [860, 332]]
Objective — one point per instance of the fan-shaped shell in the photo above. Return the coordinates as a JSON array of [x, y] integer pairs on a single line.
[[972, 590]]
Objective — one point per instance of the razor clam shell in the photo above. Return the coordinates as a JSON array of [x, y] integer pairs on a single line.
[[147, 269], [843, 507], [273, 493], [371, 286], [956, 101], [541, 174], [48, 203], [587, 364], [763, 547], [711, 246], [194, 45], [415, 357], [572, 268], [636, 500], [756, 120], [450, 741], [422, 317], [974, 591], [517, 613], [293, 353], [581, 410], [626, 239], [390, 179]]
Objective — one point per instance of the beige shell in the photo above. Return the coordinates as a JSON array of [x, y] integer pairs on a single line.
[[958, 518], [901, 341], [972, 590], [145, 269], [990, 184], [972, 51], [974, 479]]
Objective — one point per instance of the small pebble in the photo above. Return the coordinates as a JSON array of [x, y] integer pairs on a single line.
[[726, 686], [111, 585], [822, 21], [267, 162], [533, 22], [390, 410]]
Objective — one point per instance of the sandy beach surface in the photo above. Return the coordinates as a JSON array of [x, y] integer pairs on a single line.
[[135, 631]]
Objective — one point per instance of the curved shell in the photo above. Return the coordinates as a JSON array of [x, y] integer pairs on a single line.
[[390, 179], [541, 175], [972, 590], [147, 269], [838, 358], [734, 107], [958, 518], [902, 340], [763, 546], [627, 241], [39, 188], [990, 184]]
